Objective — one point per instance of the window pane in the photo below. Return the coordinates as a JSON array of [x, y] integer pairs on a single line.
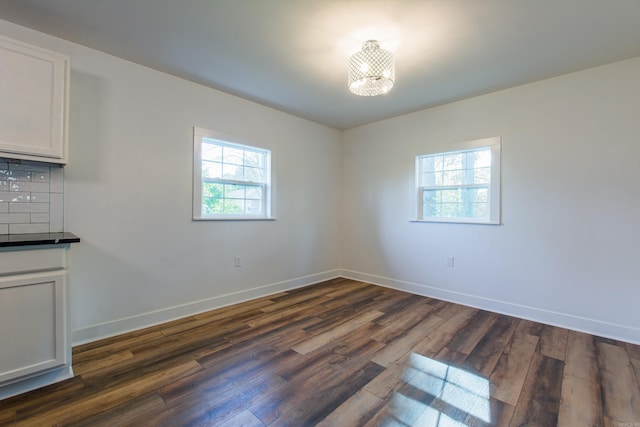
[[211, 169], [232, 172], [253, 159], [253, 174], [452, 161], [452, 177], [233, 206], [427, 164], [480, 210], [450, 210], [212, 152], [233, 155], [212, 196], [429, 179], [212, 206], [438, 163], [254, 193], [234, 191], [451, 196], [212, 190], [482, 158], [254, 206], [481, 195], [482, 176]]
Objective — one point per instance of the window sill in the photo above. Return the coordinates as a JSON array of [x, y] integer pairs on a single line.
[[454, 221], [236, 218]]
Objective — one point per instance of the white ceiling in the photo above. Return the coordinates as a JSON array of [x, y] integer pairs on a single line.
[[292, 54]]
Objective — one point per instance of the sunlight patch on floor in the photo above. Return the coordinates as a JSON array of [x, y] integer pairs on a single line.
[[439, 395]]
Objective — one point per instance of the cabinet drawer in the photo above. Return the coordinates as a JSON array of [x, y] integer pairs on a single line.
[[23, 261]]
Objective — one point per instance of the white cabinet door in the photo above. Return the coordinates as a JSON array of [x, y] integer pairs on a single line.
[[34, 86], [32, 324]]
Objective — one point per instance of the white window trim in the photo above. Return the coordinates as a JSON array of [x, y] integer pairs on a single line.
[[494, 143], [197, 215]]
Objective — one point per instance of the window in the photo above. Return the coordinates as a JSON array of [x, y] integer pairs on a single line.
[[230, 180], [461, 185]]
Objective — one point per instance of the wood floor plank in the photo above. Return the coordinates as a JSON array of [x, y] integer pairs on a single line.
[[316, 403], [342, 309], [101, 362], [580, 403], [633, 351], [317, 295], [466, 340], [539, 401], [403, 344], [238, 309], [216, 401], [621, 399], [510, 373], [112, 345], [355, 411], [491, 412], [553, 342], [404, 313], [342, 353], [43, 399], [321, 404], [391, 379], [243, 419], [486, 354], [341, 330], [7, 418], [433, 343], [71, 412], [457, 317], [635, 363], [581, 358], [530, 328], [132, 413]]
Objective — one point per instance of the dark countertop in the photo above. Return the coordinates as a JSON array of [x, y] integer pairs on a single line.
[[31, 239]]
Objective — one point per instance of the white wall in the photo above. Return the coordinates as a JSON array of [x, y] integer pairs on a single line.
[[142, 260], [569, 247]]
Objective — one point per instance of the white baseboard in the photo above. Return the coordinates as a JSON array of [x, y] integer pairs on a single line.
[[36, 381], [597, 327], [144, 320]]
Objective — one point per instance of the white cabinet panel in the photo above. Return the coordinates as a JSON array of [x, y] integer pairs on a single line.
[[34, 85], [32, 324]]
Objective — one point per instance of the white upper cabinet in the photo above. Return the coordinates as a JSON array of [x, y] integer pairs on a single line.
[[34, 98]]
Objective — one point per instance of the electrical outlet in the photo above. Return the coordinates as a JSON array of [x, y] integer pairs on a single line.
[[237, 261], [449, 262]]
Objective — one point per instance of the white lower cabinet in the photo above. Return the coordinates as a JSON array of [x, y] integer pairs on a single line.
[[34, 340]]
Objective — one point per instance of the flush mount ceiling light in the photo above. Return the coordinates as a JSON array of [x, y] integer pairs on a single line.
[[372, 70]]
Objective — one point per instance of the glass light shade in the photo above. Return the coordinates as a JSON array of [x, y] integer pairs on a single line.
[[371, 71]]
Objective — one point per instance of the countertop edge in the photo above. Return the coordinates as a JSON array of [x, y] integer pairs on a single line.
[[36, 239]]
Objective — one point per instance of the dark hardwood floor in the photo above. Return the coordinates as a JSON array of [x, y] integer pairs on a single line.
[[343, 353]]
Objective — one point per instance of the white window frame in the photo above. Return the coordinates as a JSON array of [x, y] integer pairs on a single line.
[[199, 135], [494, 216]]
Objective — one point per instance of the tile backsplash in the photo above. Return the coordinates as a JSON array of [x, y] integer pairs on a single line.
[[31, 197]]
